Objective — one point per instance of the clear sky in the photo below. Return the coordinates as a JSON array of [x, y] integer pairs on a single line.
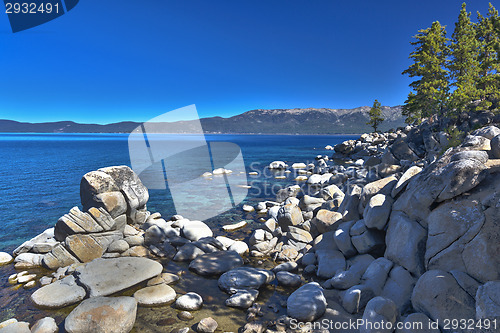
[[115, 60]]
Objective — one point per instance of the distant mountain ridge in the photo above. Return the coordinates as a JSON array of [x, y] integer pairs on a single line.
[[261, 121]]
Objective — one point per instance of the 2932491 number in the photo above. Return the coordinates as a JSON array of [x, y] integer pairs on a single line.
[[31, 8], [469, 324]]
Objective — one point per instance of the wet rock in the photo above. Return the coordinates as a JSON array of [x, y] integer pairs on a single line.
[[207, 325], [188, 252], [287, 279], [438, 294], [59, 294], [189, 302], [286, 267], [155, 295], [379, 310], [185, 315], [103, 314], [167, 278], [216, 263], [102, 277], [307, 303], [45, 325], [194, 230], [245, 278], [242, 298]]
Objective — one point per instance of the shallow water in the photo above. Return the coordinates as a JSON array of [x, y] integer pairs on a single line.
[[39, 182]]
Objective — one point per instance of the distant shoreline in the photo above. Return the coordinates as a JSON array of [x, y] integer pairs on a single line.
[[105, 133]]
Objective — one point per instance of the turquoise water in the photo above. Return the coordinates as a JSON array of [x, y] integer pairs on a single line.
[[40, 174]]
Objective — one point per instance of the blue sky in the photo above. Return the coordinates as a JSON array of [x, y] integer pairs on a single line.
[[117, 60]]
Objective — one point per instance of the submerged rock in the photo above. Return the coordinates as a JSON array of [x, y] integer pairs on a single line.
[[155, 295], [103, 315], [189, 302], [216, 263], [244, 278], [103, 277]]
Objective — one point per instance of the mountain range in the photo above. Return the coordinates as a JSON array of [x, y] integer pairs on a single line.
[[274, 121]]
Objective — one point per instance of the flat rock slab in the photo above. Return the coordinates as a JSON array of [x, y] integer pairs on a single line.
[[216, 263], [59, 294], [103, 277], [103, 315]]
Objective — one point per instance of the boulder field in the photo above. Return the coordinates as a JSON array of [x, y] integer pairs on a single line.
[[397, 228]]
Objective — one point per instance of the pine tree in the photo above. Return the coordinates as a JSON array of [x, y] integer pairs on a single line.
[[488, 34], [464, 65], [375, 114], [429, 63]]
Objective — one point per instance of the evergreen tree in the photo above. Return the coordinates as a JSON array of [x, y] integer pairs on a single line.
[[488, 34], [429, 64], [375, 114], [464, 65]]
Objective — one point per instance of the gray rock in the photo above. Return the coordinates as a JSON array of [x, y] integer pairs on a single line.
[[376, 274], [129, 184], [207, 325], [103, 314], [489, 132], [113, 202], [352, 276], [188, 252], [405, 243], [103, 277], [488, 301], [466, 282], [329, 263], [59, 294], [242, 298], [307, 303], [286, 267], [377, 211], [343, 239], [366, 240], [167, 278], [382, 186], [399, 287], [299, 235], [287, 279], [379, 310], [245, 278], [118, 246], [155, 295], [349, 206], [239, 247], [439, 295], [189, 302], [308, 259], [216, 263], [289, 215], [495, 146], [45, 241], [326, 220], [355, 298], [448, 233], [136, 240], [16, 327], [194, 230], [405, 179], [479, 155], [58, 257], [45, 325], [85, 247], [27, 260], [325, 242], [461, 176]]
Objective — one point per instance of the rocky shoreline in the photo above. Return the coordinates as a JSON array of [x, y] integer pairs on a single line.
[[395, 227]]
